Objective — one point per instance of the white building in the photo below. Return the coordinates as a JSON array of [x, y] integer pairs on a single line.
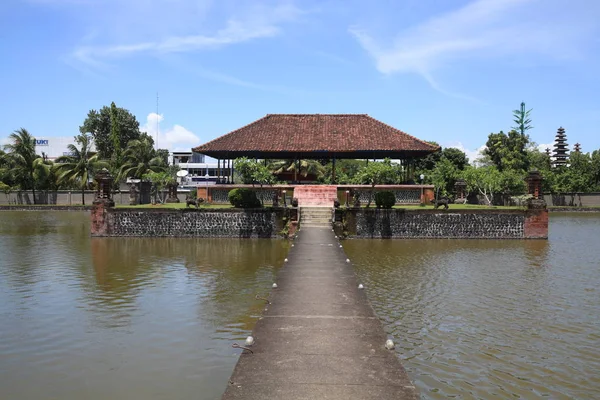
[[54, 147], [199, 172]]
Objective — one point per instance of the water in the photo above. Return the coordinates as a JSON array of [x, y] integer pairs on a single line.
[[492, 319], [100, 318], [150, 319]]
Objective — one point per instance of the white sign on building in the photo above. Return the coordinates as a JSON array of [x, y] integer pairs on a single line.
[[54, 147]]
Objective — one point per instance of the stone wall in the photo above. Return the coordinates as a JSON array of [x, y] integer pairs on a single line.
[[261, 223], [65, 197], [467, 224]]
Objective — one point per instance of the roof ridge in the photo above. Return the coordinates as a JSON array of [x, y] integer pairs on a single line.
[[309, 115]]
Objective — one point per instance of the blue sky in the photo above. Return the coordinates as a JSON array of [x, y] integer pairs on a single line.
[[445, 70]]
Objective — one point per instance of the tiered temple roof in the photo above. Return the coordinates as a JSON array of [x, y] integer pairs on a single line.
[[561, 148]]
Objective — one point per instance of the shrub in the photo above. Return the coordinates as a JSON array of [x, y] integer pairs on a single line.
[[193, 193], [385, 199], [243, 198]]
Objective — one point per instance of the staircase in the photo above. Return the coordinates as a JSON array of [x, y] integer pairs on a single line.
[[316, 216], [315, 195]]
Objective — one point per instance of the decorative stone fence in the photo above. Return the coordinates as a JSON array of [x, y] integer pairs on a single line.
[[450, 224], [232, 223], [405, 194]]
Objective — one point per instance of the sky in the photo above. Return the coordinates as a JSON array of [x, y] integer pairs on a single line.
[[451, 71]]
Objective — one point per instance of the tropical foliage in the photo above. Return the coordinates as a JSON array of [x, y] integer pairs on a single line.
[[140, 158], [77, 169]]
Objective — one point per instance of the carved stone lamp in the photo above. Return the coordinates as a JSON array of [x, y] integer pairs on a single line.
[[104, 181]]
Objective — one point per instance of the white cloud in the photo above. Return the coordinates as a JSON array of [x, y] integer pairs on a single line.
[[472, 155], [175, 138], [484, 28], [258, 21]]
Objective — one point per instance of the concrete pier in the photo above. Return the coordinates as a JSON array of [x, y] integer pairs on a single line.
[[319, 338]]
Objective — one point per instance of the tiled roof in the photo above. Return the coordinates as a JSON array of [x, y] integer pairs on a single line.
[[306, 133]]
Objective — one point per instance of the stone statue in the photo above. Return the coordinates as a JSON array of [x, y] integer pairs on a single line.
[[193, 202], [442, 201]]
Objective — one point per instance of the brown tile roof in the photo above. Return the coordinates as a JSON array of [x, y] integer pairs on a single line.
[[303, 134]]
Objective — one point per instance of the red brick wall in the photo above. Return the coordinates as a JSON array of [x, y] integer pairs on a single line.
[[536, 224], [99, 220]]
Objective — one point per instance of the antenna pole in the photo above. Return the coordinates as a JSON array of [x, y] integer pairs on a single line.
[[157, 121]]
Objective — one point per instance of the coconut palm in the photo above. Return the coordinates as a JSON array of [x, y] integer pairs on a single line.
[[79, 166], [140, 158], [20, 159]]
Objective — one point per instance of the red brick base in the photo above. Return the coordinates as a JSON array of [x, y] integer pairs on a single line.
[[536, 224]]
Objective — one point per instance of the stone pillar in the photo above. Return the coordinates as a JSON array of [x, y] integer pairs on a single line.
[[102, 203], [536, 216], [460, 187], [172, 188]]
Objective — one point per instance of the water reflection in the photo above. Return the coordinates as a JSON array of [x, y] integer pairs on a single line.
[[123, 318], [483, 319]]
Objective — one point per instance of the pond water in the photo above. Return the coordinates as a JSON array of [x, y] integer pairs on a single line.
[[492, 319], [130, 318], [100, 318]]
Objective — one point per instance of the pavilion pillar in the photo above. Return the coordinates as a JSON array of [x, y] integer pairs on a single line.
[[333, 170], [218, 170], [296, 171]]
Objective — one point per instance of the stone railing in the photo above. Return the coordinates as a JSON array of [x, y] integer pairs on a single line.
[[405, 194]]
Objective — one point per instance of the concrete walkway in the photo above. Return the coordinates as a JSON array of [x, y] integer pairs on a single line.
[[319, 339]]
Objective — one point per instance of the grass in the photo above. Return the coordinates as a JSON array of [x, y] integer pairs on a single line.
[[461, 207], [174, 206], [45, 205], [569, 207]]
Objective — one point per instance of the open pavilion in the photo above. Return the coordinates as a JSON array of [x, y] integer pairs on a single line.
[[316, 137]]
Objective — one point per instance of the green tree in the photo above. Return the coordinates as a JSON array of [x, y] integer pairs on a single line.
[[485, 180], [245, 168], [508, 151], [595, 170], [428, 163], [159, 181], [77, 169], [456, 157], [20, 159], [522, 120], [115, 134], [252, 171], [100, 125], [140, 158], [376, 173], [443, 176]]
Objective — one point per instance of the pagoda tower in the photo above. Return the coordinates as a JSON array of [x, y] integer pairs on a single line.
[[560, 148], [577, 148]]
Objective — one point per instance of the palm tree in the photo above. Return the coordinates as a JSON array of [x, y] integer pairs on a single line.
[[21, 157], [139, 159], [79, 167], [302, 167]]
